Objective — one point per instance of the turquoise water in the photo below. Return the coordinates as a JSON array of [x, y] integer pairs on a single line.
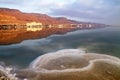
[[104, 41]]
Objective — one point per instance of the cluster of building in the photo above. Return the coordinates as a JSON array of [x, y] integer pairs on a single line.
[[36, 26]]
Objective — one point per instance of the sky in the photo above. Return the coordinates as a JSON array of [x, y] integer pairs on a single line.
[[101, 11]]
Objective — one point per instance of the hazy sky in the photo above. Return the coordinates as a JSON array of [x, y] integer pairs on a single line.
[[105, 11]]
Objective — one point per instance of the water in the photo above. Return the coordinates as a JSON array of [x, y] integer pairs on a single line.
[[104, 41]]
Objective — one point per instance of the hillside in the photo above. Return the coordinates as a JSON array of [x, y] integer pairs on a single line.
[[9, 15], [10, 34]]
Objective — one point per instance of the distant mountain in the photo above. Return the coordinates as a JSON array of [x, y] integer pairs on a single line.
[[8, 16], [12, 15]]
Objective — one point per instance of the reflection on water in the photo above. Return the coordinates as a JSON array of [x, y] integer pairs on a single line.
[[105, 41]]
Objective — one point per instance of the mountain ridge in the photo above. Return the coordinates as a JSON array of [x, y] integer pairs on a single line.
[[22, 17]]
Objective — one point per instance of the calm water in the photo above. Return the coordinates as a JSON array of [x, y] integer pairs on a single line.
[[104, 41]]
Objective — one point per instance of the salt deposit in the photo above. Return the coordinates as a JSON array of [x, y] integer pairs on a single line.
[[5, 73], [78, 56], [73, 64]]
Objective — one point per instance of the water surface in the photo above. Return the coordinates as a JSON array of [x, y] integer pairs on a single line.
[[104, 41]]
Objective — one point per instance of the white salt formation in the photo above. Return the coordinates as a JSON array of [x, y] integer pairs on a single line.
[[73, 64], [63, 59], [5, 74]]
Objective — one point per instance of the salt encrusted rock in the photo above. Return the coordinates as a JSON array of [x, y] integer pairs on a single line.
[[5, 74]]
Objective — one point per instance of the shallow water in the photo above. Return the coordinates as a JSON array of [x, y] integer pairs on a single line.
[[72, 64], [104, 41]]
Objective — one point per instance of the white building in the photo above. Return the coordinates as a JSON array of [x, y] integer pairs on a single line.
[[73, 25], [34, 26], [89, 25], [79, 25], [60, 26]]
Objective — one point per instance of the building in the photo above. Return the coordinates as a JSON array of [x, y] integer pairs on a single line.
[[34, 26], [73, 25], [88, 25], [79, 25], [47, 25], [60, 26], [8, 27]]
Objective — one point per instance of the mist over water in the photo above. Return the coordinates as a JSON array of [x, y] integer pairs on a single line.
[[104, 41]]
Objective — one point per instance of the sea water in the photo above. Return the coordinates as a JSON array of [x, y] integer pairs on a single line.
[[103, 41]]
